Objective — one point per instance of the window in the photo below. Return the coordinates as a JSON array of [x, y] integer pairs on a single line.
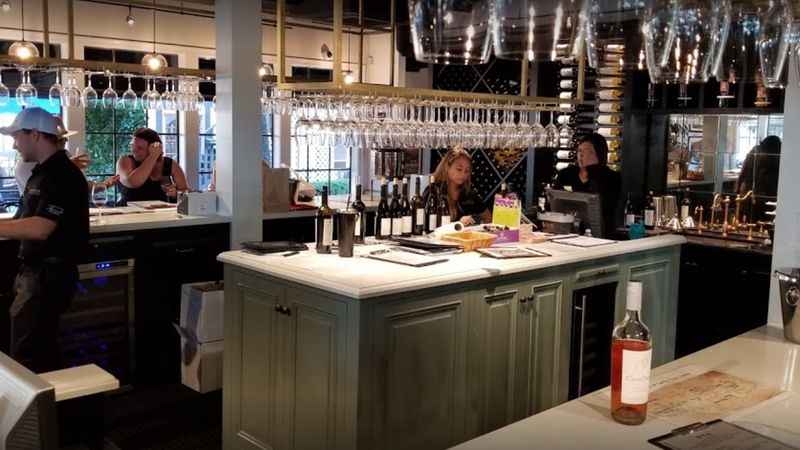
[[9, 191], [207, 146]]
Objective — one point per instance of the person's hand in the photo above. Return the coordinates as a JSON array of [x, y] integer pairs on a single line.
[[156, 151], [110, 181], [170, 189], [81, 161], [467, 221]]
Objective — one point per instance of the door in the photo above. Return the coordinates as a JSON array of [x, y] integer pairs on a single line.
[[420, 373], [542, 349], [312, 374], [251, 351], [659, 305]]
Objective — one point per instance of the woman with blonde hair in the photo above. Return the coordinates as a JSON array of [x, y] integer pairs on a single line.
[[453, 175]]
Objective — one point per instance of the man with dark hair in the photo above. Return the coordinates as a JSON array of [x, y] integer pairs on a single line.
[[52, 226], [760, 175], [592, 175]]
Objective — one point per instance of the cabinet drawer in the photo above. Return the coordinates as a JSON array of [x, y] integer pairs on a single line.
[[596, 273]]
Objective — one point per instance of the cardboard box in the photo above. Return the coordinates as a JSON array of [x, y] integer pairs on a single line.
[[198, 204], [201, 365], [276, 195], [202, 311]]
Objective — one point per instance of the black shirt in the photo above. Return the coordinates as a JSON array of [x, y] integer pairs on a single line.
[[57, 191], [603, 181], [151, 189], [469, 204]]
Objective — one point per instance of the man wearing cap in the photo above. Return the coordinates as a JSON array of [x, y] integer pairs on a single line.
[[52, 226]]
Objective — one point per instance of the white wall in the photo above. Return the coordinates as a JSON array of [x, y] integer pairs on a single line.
[[786, 248]]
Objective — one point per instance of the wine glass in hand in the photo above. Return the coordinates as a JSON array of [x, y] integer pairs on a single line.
[[99, 198]]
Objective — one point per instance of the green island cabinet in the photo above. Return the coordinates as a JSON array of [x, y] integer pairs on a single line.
[[307, 369]]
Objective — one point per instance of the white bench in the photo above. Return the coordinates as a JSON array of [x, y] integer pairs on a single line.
[[80, 381]]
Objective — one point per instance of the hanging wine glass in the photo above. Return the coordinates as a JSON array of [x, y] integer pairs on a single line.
[[539, 131], [684, 40], [129, 99], [151, 97], [26, 92], [773, 41], [71, 94], [89, 95], [513, 30], [168, 98], [110, 96], [586, 38], [565, 30], [4, 92], [450, 31], [56, 90], [551, 132]]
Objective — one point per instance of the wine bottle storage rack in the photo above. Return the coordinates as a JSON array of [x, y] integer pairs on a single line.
[[610, 97]]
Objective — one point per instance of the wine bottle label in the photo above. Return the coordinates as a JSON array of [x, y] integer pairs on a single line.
[[445, 220], [327, 231], [636, 376], [610, 94], [542, 203], [566, 84], [561, 165], [609, 107], [420, 216], [649, 218], [386, 226], [684, 211], [407, 225], [432, 222], [630, 219], [607, 119], [397, 226], [567, 72], [609, 82]]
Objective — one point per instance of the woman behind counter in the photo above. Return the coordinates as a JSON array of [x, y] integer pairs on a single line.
[[592, 175], [454, 176], [146, 174]]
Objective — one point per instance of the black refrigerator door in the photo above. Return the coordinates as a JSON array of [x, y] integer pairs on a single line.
[[590, 355]]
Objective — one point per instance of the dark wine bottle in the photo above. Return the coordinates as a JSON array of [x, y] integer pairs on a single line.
[[686, 204], [650, 212], [361, 220], [630, 212], [324, 224], [418, 213], [444, 206], [432, 206], [405, 205], [396, 210], [383, 220], [503, 192]]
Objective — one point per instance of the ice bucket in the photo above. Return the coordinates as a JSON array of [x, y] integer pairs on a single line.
[[789, 280]]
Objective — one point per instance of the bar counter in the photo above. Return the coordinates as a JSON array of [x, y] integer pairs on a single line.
[[353, 353], [761, 356]]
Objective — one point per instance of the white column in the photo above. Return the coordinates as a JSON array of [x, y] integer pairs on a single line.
[[190, 141], [238, 26], [786, 248]]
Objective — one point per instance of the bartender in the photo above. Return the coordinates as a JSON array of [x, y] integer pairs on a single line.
[[146, 174], [52, 226], [592, 175], [454, 173]]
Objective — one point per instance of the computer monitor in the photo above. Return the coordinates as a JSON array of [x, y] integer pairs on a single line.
[[586, 207], [27, 408]]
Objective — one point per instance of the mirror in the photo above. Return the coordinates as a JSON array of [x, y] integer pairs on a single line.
[[726, 154]]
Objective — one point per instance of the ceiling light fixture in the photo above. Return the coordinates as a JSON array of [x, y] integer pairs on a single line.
[[23, 50], [265, 70], [130, 20], [154, 61], [5, 6]]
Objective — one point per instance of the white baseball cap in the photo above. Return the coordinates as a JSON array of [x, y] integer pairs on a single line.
[[38, 119]]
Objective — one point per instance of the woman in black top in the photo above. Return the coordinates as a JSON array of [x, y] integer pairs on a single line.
[[592, 175], [146, 174], [453, 174]]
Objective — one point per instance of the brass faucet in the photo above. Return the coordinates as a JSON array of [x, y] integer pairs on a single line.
[[699, 211], [739, 200], [727, 204], [716, 205]]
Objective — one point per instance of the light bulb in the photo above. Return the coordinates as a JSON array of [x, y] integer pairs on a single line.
[[348, 78], [5, 6], [155, 62], [23, 50], [130, 21]]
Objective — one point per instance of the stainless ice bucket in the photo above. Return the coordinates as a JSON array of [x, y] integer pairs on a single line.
[[789, 280]]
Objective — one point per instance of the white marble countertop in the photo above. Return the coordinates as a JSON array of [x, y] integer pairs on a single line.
[[167, 218], [761, 356], [361, 278]]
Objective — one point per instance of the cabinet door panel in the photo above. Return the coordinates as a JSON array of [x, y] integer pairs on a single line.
[[421, 353], [499, 357], [659, 306], [312, 373], [539, 344], [249, 366]]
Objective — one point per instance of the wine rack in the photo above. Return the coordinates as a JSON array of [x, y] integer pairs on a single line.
[[609, 99]]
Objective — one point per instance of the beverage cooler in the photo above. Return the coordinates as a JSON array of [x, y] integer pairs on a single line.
[[98, 326], [590, 352]]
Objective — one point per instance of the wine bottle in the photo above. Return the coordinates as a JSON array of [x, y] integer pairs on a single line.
[[432, 207], [686, 205], [615, 48], [566, 155], [650, 212], [361, 217], [444, 206], [609, 132], [609, 107], [324, 224], [396, 210], [568, 84], [608, 82], [609, 94], [562, 165], [631, 359], [418, 216], [405, 206], [383, 219], [630, 212], [613, 145], [613, 157], [608, 119], [610, 70], [542, 205], [503, 192]]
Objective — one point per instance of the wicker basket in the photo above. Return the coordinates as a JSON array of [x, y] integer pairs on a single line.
[[471, 240]]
